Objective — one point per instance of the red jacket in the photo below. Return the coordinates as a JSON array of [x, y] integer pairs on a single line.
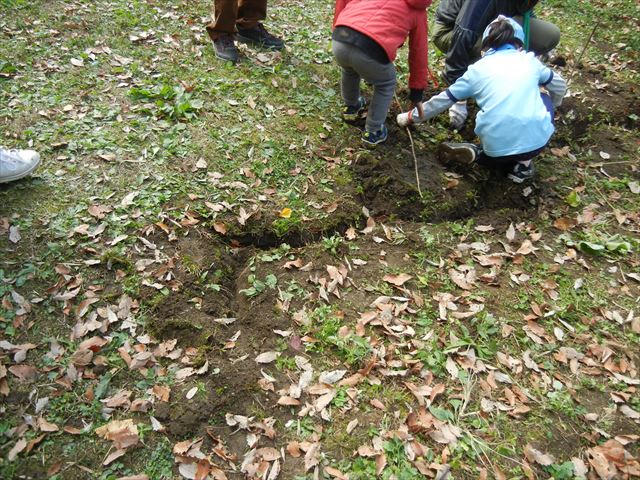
[[389, 22]]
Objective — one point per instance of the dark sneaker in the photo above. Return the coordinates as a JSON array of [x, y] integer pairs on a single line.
[[459, 154], [259, 35], [375, 138], [352, 113], [225, 48], [520, 173]]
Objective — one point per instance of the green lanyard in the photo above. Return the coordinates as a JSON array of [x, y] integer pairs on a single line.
[[526, 26]]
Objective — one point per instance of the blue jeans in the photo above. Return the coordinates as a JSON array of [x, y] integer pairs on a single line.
[[510, 160]]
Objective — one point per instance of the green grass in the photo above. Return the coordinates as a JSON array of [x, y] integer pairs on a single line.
[[141, 115]]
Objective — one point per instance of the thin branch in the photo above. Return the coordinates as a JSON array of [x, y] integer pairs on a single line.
[[413, 151]]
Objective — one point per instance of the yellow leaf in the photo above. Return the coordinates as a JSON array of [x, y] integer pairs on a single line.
[[285, 213]]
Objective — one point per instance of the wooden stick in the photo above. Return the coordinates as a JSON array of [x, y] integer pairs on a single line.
[[413, 151], [584, 49]]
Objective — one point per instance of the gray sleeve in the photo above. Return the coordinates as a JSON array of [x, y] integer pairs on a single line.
[[557, 88], [436, 105]]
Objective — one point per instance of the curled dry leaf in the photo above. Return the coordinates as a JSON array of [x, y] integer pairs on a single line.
[[46, 426], [352, 425], [267, 357], [20, 445], [534, 455], [25, 373], [191, 393], [335, 473], [123, 433], [397, 280]]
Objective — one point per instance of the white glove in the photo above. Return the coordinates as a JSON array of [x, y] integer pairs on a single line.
[[403, 119], [415, 115], [458, 114]]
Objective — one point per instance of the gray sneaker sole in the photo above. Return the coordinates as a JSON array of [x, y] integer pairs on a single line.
[[20, 175], [463, 157], [516, 179], [251, 41], [226, 57]]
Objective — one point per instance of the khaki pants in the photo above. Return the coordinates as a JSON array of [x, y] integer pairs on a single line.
[[544, 36], [229, 13]]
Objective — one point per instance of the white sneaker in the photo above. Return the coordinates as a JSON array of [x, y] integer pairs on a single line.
[[15, 164], [458, 114]]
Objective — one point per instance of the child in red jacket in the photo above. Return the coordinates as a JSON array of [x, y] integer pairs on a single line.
[[366, 38]]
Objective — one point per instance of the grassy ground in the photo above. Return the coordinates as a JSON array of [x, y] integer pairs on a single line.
[[207, 254]]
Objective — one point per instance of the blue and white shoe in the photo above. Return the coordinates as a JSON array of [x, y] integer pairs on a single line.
[[351, 113], [521, 173], [375, 138]]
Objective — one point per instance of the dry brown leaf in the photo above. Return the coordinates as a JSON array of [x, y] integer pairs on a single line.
[[397, 280], [25, 373], [113, 456], [335, 473], [46, 426], [294, 450], [123, 433], [267, 357], [537, 456], [20, 445], [312, 457], [220, 227], [565, 223]]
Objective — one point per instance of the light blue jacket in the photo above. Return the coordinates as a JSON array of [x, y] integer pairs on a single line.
[[505, 85]]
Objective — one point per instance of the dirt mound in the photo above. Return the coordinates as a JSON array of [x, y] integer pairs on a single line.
[[389, 187]]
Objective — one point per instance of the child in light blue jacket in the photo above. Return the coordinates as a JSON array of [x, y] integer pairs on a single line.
[[515, 121]]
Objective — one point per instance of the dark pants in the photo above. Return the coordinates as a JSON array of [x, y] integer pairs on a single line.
[[544, 37], [229, 13], [508, 161]]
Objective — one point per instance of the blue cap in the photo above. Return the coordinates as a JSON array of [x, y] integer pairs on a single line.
[[517, 29]]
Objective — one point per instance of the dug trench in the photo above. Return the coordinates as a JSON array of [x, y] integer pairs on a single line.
[[213, 311], [206, 319], [230, 327]]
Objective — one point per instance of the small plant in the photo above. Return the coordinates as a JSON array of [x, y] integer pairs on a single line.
[[353, 349], [332, 243], [259, 286], [160, 464], [561, 472], [427, 237], [172, 102], [284, 362]]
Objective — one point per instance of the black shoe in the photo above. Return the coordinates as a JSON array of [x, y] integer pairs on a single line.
[[459, 154], [520, 172], [225, 48], [259, 35], [353, 112]]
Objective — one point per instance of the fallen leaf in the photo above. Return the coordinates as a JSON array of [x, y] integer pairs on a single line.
[[220, 227], [537, 456], [191, 393], [26, 373], [14, 234], [267, 357], [397, 280], [46, 426], [113, 456], [20, 445], [123, 433], [285, 213], [128, 199]]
